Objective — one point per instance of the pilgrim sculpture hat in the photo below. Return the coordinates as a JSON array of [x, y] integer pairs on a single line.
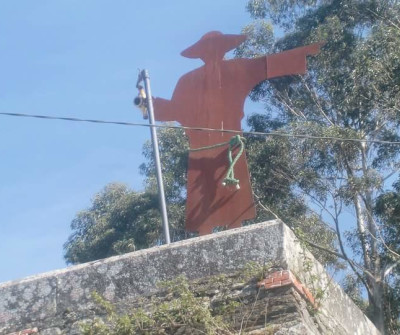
[[216, 40]]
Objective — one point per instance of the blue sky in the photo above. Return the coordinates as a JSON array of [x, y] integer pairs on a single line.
[[80, 59]]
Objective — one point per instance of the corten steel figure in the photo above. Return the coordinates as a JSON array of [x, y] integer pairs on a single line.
[[213, 96]]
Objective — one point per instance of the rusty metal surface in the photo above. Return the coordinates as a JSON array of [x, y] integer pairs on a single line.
[[213, 96]]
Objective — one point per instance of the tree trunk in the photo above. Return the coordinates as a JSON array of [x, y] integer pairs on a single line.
[[376, 302]]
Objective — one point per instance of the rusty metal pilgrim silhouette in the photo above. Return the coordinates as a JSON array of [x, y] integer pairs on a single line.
[[213, 96]]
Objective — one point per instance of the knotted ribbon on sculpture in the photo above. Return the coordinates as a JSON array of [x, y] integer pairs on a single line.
[[213, 96]]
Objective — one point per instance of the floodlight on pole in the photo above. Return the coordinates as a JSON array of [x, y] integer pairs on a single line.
[[145, 103]]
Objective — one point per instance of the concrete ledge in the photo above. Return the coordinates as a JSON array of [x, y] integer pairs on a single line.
[[42, 301]]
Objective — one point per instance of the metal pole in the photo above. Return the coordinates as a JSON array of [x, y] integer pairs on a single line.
[[146, 79]]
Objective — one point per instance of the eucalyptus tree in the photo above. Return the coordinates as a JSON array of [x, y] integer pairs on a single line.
[[121, 220], [345, 115], [115, 223]]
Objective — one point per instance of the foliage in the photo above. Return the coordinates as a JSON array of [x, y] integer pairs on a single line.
[[121, 220], [273, 177], [112, 225], [254, 270], [351, 91], [173, 146], [388, 211], [183, 310]]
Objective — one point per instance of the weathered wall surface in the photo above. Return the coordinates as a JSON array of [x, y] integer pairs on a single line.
[[54, 302]]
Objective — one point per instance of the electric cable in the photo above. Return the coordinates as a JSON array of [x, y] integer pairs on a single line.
[[231, 131]]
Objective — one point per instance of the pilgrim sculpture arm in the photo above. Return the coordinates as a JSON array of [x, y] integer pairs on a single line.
[[174, 109], [291, 62], [164, 110]]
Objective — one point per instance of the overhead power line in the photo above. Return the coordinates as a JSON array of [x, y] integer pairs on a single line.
[[256, 133]]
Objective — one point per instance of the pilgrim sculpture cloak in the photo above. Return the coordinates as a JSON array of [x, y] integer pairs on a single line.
[[213, 96]]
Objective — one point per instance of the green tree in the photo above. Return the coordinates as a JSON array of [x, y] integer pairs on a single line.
[[173, 146], [351, 91], [117, 222], [121, 220], [387, 210]]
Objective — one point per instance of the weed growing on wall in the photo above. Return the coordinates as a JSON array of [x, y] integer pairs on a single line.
[[182, 313]]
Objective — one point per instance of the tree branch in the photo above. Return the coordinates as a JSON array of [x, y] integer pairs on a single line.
[[380, 237], [351, 263], [315, 99], [386, 271]]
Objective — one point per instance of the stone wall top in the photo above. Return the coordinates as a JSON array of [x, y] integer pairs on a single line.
[[42, 300]]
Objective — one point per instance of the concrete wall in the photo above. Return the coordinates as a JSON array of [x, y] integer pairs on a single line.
[[56, 300]]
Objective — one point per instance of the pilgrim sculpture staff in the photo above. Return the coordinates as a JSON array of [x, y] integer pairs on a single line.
[[213, 96]]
